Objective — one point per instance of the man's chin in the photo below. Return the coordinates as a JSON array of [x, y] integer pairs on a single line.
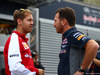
[[30, 31]]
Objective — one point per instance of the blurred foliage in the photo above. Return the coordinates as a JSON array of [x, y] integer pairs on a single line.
[[94, 2]]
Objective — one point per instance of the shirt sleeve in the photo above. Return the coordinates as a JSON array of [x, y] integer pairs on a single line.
[[79, 39], [14, 58]]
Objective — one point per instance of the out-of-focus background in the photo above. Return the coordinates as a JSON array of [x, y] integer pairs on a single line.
[[44, 38]]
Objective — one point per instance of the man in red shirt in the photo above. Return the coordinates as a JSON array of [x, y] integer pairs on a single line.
[[17, 54]]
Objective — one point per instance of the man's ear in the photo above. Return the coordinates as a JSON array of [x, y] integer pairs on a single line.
[[63, 22], [19, 21]]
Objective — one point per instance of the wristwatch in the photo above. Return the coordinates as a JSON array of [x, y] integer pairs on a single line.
[[81, 69]]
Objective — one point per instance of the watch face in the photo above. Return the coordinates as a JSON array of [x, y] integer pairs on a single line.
[[81, 70]]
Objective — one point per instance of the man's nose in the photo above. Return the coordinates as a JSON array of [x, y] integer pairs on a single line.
[[32, 22], [54, 24]]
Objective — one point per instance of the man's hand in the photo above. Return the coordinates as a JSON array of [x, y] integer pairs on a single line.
[[41, 72], [79, 73]]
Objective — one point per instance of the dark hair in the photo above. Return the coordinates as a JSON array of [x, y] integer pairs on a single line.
[[33, 53], [67, 13]]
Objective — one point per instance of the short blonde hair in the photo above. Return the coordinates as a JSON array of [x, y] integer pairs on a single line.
[[21, 14]]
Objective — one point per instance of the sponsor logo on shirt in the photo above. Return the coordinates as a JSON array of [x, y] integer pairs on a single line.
[[64, 51], [84, 38], [64, 41], [25, 45], [26, 55], [14, 55], [80, 37], [63, 46], [76, 35]]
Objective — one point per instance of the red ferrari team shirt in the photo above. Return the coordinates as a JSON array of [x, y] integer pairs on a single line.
[[17, 56]]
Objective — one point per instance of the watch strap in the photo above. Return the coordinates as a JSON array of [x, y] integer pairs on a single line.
[[81, 69]]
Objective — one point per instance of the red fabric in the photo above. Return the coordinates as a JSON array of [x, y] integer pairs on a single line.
[[24, 51]]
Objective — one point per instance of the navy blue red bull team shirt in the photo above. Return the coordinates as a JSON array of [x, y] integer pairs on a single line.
[[72, 51]]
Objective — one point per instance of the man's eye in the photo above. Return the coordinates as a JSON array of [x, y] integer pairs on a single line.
[[29, 20]]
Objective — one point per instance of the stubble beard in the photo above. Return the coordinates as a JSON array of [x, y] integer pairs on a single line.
[[59, 30]]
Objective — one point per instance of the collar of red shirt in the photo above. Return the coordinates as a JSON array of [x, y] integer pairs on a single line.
[[21, 35]]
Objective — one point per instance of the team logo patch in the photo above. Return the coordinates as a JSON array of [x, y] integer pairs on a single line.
[[26, 55], [80, 37], [64, 41], [63, 51], [25, 45]]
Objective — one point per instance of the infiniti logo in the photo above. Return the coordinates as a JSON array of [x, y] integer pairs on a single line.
[[86, 9]]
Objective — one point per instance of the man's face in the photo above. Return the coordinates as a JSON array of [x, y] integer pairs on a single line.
[[57, 24], [36, 56], [27, 24]]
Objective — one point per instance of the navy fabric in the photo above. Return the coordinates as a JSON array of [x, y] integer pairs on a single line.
[[69, 38], [94, 68]]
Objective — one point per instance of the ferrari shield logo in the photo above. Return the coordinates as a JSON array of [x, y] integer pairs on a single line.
[[25, 45]]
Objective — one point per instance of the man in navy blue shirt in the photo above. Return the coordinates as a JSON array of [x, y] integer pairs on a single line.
[[77, 50]]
